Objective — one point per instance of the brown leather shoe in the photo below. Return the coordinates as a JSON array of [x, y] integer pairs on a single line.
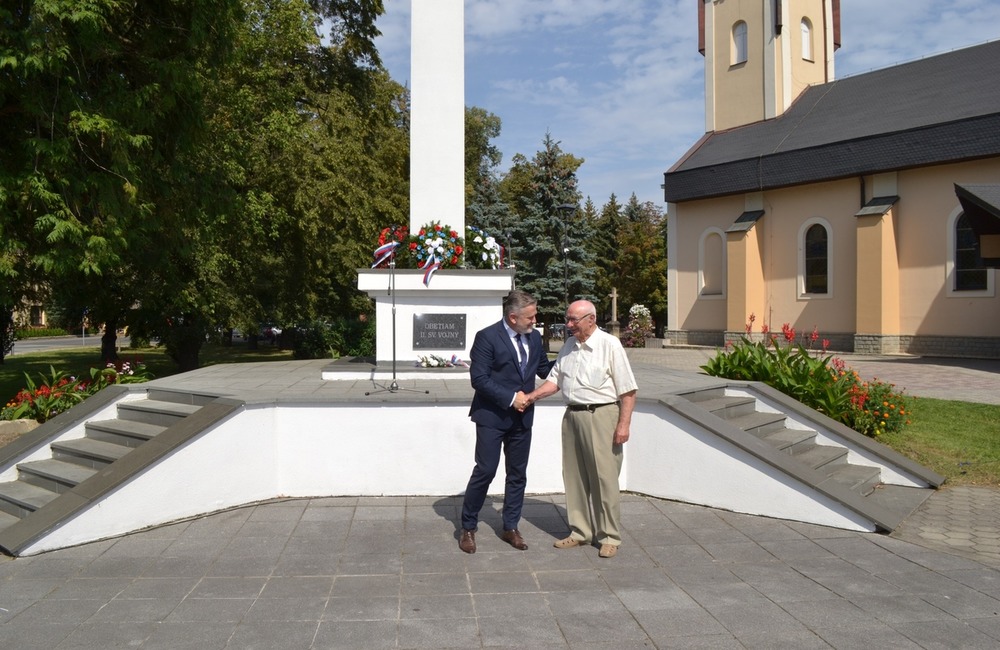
[[513, 537], [467, 542]]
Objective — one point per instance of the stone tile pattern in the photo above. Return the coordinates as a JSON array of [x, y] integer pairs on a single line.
[[387, 573]]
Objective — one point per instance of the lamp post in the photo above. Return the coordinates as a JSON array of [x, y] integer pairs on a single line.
[[566, 209]]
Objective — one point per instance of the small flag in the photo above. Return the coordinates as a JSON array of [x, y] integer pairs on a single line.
[[432, 264], [384, 252]]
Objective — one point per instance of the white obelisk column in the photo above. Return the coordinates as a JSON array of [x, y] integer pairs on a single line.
[[414, 319], [437, 114]]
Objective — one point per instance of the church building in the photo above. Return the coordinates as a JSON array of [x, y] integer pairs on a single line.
[[867, 208]]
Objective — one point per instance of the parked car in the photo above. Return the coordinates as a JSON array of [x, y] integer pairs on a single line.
[[270, 332]]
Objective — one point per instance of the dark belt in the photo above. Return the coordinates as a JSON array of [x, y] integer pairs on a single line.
[[589, 407]]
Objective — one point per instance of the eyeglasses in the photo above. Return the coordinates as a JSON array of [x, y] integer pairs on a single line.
[[576, 319]]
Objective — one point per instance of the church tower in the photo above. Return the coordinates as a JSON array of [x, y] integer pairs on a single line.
[[761, 54]]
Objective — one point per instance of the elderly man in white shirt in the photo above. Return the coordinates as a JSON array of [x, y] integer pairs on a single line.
[[597, 383]]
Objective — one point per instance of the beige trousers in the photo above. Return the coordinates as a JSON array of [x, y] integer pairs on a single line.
[[591, 466]]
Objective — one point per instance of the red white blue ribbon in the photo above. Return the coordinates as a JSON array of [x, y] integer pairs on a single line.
[[432, 264], [384, 252]]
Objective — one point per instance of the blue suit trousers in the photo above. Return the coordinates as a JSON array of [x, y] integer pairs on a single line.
[[515, 444]]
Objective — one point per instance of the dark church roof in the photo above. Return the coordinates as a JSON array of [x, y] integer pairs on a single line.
[[940, 109]]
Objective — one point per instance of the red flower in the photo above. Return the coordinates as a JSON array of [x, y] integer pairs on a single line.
[[458, 250], [788, 332]]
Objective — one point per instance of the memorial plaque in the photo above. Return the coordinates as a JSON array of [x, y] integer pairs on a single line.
[[439, 331]]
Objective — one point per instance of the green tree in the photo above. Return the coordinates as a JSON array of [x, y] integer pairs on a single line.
[[99, 101], [551, 260], [209, 163], [642, 259], [482, 157], [606, 249], [315, 159]]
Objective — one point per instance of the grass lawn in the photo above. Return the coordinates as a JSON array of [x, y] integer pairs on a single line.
[[958, 440], [78, 361]]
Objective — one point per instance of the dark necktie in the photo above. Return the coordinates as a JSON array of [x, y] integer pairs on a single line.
[[524, 354]]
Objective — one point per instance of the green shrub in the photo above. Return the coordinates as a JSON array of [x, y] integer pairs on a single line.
[[821, 382], [342, 337], [60, 391], [32, 333]]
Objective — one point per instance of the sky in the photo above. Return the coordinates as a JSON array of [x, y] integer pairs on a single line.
[[620, 83]]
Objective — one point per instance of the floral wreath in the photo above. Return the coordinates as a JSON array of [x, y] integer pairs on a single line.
[[439, 244], [483, 251], [393, 233]]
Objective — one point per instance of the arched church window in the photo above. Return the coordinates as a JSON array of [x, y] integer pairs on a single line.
[[817, 258], [712, 264], [807, 46], [970, 274], [739, 44]]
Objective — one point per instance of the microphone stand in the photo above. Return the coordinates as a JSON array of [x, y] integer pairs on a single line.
[[393, 386]]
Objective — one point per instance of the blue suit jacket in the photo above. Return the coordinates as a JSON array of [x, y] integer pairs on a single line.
[[495, 377]]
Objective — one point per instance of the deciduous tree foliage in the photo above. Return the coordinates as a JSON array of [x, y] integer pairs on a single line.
[[210, 163]]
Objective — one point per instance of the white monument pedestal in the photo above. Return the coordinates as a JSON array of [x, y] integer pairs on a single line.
[[440, 319]]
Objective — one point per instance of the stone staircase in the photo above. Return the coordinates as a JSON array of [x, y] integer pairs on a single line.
[[71, 462], [824, 464]]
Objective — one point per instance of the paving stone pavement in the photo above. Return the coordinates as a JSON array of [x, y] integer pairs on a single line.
[[350, 572], [963, 520]]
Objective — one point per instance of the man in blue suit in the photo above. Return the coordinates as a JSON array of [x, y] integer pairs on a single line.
[[505, 359]]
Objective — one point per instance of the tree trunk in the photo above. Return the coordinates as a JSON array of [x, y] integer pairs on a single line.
[[109, 343], [183, 342], [188, 355]]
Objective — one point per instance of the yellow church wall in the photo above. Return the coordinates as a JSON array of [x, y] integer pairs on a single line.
[[698, 311], [805, 71], [927, 203], [911, 300], [736, 88], [833, 205]]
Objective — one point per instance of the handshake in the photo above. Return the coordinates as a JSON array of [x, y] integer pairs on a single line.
[[522, 401]]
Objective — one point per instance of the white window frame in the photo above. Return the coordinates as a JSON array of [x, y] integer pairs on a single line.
[[805, 28], [739, 43], [800, 279], [949, 265], [724, 258]]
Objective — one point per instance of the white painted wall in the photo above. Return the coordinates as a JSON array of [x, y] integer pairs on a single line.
[[274, 451], [478, 294]]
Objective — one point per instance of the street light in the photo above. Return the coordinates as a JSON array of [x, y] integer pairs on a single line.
[[566, 209]]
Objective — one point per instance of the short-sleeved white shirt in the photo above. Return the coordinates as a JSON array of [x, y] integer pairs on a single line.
[[596, 371]]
